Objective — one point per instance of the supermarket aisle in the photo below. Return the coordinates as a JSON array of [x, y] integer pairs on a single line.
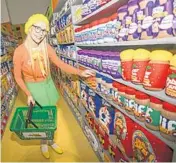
[[69, 135]]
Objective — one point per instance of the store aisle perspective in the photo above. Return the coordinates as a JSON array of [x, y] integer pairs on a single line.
[[68, 135]]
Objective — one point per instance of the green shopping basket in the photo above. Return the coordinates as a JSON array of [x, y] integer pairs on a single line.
[[34, 122]]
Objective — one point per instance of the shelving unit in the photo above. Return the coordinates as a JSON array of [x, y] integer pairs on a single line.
[[106, 10], [159, 94], [8, 86], [162, 41], [70, 43], [71, 105], [69, 58], [157, 134]]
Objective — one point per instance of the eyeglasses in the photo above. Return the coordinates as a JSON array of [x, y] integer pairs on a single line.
[[38, 30]]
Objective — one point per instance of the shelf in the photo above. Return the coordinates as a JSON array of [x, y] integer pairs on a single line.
[[66, 43], [157, 134], [158, 94], [68, 58], [161, 41], [61, 4], [106, 10]]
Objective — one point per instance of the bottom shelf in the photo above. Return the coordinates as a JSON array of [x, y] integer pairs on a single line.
[[80, 121]]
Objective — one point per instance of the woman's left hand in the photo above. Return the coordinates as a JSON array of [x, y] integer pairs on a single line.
[[87, 73]]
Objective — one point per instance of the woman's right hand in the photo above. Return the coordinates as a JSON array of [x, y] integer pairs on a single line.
[[30, 100]]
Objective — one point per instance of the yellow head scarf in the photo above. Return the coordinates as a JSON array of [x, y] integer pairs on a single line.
[[34, 19]]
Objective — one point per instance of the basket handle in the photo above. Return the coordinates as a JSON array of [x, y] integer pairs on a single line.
[[29, 114]]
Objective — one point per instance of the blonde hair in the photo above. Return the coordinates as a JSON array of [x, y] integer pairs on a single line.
[[43, 45]]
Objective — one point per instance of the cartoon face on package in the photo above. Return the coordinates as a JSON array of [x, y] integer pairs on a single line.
[[84, 94], [106, 116], [143, 151]]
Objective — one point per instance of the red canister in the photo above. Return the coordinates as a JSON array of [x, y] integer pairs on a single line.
[[171, 79], [157, 70]]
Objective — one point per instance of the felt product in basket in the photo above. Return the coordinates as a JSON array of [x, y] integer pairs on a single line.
[[103, 138], [171, 79], [168, 122], [149, 148], [106, 117], [157, 70], [123, 127], [44, 92], [94, 102], [45, 119], [84, 94]]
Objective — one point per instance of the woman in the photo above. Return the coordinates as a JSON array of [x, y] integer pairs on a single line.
[[32, 69]]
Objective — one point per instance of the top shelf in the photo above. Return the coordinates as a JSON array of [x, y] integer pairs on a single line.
[[105, 11], [161, 41]]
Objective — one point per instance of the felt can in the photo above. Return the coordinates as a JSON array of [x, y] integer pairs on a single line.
[[168, 122]]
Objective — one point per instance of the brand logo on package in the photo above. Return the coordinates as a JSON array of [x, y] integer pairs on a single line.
[[168, 126], [34, 135], [91, 93]]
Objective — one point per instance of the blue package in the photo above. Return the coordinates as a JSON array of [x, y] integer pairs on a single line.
[[84, 94], [94, 102], [98, 78], [106, 117], [109, 88]]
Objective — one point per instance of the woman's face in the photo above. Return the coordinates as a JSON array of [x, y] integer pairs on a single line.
[[38, 32]]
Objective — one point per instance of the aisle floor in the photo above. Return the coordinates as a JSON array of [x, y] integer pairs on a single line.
[[69, 136]]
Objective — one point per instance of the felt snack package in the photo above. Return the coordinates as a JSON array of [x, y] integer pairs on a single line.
[[106, 116], [148, 148], [84, 94]]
